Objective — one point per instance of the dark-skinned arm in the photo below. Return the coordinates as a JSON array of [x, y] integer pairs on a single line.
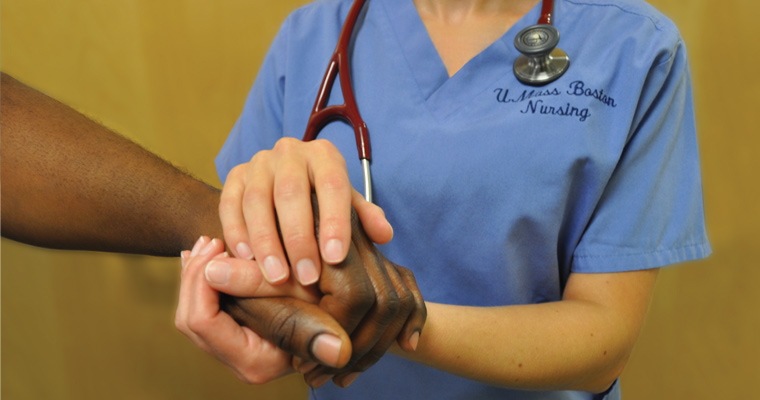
[[70, 183]]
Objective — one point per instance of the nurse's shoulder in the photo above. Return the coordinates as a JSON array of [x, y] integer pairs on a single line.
[[635, 28], [318, 18], [638, 11]]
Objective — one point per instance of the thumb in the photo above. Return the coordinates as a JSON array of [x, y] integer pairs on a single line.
[[372, 218], [296, 326]]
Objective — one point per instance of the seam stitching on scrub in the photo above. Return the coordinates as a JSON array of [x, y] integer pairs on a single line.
[[652, 19], [687, 246]]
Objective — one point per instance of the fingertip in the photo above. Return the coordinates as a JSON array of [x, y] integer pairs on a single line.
[[244, 251], [326, 348], [334, 251], [306, 366], [307, 272], [375, 223], [198, 245], [349, 379], [273, 270], [183, 256], [387, 235], [414, 340], [213, 245], [319, 381], [218, 273]]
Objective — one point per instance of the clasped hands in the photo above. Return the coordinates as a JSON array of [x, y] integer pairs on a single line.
[[267, 322]]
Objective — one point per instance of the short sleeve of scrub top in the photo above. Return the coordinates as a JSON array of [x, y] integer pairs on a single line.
[[498, 191]]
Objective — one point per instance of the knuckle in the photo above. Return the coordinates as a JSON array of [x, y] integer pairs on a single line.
[[323, 145], [406, 303], [236, 171], [408, 277], [264, 241], [405, 273], [261, 157], [326, 148], [233, 232], [255, 194], [283, 326], [422, 310], [330, 226], [368, 360], [178, 323], [227, 205], [359, 296], [290, 187], [388, 305], [335, 181], [285, 144], [196, 324], [297, 239], [251, 376]]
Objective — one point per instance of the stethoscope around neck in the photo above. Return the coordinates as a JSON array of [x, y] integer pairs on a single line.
[[541, 62]]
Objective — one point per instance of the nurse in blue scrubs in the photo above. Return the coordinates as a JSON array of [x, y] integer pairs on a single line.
[[535, 219]]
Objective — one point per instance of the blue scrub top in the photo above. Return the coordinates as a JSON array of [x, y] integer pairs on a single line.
[[497, 191]]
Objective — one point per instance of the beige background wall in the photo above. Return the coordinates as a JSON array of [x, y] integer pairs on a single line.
[[172, 75]]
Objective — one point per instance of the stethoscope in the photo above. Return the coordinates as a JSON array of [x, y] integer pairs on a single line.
[[539, 64]]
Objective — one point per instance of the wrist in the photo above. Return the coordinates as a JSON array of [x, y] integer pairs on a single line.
[[202, 217]]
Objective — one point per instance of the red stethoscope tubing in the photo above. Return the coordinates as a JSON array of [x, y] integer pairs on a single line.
[[322, 114], [547, 7]]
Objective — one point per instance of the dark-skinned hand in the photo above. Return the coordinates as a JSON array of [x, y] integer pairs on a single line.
[[373, 300]]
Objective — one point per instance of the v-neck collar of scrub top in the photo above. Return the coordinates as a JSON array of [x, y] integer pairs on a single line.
[[443, 94]]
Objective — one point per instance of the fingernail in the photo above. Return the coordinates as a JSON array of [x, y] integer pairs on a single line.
[[183, 257], [244, 251], [208, 247], [197, 246], [307, 272], [320, 380], [326, 349], [273, 269], [218, 272], [350, 378], [307, 366], [333, 251], [414, 340]]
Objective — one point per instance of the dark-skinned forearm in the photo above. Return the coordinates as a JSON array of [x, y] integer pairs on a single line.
[[70, 183]]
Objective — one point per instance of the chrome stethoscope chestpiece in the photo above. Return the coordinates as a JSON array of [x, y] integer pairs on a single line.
[[541, 62]]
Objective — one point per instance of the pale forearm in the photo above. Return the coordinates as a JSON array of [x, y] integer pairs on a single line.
[[535, 347], [68, 182], [579, 343]]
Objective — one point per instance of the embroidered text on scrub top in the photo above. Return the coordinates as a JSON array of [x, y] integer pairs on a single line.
[[536, 105]]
